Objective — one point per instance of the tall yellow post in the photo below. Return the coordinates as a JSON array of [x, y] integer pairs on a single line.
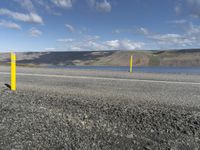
[[13, 72], [131, 64]]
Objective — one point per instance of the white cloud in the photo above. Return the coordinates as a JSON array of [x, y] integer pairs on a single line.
[[177, 9], [35, 32], [50, 49], [163, 37], [114, 43], [143, 31], [172, 40], [193, 6], [123, 45], [70, 27], [104, 6], [91, 37], [190, 37], [181, 21], [76, 48], [188, 8], [26, 4], [89, 43], [30, 18], [193, 33], [63, 3], [66, 40], [87, 46], [81, 31], [101, 6], [117, 31], [10, 25]]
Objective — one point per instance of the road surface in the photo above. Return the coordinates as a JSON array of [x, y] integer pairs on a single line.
[[82, 109]]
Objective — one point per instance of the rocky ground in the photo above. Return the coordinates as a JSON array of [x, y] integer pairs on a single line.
[[41, 117]]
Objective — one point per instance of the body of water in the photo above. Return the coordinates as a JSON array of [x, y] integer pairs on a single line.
[[175, 70]]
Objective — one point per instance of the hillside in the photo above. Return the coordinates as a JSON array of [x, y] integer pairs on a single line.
[[179, 58]]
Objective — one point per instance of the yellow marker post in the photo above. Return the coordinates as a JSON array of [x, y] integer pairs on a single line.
[[13, 72], [131, 64]]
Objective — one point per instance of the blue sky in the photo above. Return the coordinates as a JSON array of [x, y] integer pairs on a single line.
[[80, 25]]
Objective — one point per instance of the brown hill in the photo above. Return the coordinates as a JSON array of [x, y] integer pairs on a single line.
[[189, 57]]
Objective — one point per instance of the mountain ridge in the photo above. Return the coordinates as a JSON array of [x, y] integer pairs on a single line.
[[175, 58]]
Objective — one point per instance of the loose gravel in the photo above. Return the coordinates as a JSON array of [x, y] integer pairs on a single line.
[[39, 120], [53, 116]]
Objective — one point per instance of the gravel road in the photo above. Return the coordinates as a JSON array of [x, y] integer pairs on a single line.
[[97, 112]]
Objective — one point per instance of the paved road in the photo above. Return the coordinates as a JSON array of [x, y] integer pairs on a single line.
[[102, 78], [159, 88]]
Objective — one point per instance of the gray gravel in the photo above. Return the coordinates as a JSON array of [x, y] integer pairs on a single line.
[[57, 113]]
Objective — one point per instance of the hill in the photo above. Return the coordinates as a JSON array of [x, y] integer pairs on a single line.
[[180, 58]]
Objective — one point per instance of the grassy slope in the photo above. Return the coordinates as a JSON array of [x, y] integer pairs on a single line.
[[109, 58]]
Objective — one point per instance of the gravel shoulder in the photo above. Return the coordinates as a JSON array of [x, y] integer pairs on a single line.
[[80, 114]]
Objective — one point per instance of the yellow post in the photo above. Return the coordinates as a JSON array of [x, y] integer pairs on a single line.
[[131, 64], [13, 72]]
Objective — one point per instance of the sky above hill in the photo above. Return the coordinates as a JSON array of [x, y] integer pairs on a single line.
[[79, 25]]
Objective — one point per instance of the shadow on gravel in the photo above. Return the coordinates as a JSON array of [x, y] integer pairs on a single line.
[[8, 86]]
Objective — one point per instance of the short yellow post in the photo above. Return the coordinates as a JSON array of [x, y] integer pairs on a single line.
[[13, 72], [131, 64]]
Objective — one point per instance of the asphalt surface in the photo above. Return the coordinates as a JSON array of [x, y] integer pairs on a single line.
[[82, 109]]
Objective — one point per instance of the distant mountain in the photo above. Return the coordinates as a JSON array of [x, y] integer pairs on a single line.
[[181, 58]]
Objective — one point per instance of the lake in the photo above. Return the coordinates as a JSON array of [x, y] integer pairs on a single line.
[[175, 70]]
